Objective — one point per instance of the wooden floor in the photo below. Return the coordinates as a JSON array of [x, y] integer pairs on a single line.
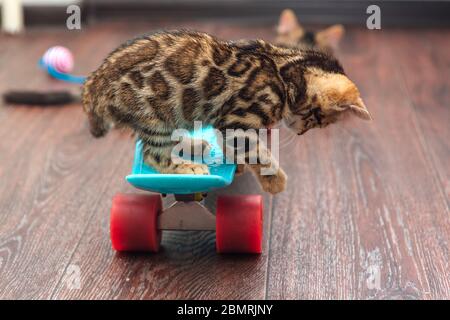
[[365, 215]]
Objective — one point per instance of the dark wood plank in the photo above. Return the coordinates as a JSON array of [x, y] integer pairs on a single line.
[[425, 74], [57, 183], [362, 200], [47, 159], [362, 197], [186, 268]]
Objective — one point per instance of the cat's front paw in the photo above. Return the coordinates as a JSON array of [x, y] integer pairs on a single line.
[[191, 168], [274, 183]]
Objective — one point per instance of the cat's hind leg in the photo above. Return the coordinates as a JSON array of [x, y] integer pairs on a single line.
[[99, 123]]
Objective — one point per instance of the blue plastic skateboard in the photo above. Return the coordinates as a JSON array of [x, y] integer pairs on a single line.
[[137, 220], [146, 178]]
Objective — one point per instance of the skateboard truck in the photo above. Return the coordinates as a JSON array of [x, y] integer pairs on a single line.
[[187, 213]]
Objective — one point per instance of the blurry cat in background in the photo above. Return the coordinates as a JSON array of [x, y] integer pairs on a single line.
[[290, 33]]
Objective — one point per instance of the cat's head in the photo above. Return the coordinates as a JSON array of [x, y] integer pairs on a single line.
[[319, 93], [290, 33]]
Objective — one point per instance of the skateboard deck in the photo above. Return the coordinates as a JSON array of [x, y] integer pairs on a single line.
[[147, 178]]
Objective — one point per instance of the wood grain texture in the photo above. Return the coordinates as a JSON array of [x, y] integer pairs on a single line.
[[55, 207], [369, 219], [429, 92], [187, 267], [365, 214]]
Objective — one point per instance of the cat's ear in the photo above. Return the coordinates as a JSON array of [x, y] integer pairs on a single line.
[[288, 22], [358, 108], [330, 36]]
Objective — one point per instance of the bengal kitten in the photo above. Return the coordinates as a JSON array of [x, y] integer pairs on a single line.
[[291, 33], [157, 83]]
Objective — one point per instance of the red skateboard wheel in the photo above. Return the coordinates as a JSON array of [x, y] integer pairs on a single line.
[[134, 222], [239, 224]]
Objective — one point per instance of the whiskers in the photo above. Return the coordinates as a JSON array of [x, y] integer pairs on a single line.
[[288, 139]]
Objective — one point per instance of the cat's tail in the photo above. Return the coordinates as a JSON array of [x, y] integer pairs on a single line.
[[98, 123], [36, 98]]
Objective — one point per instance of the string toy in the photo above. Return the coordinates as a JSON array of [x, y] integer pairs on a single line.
[[58, 62]]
